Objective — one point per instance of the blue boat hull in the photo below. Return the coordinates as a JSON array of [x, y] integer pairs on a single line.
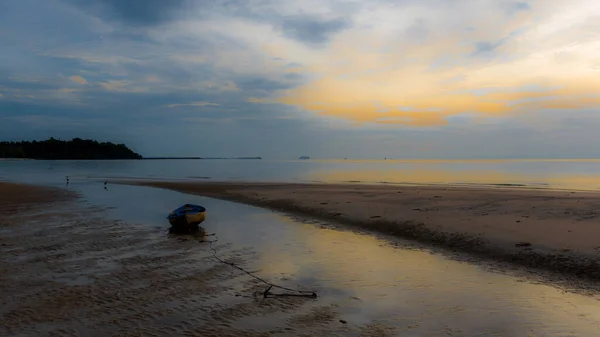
[[187, 217]]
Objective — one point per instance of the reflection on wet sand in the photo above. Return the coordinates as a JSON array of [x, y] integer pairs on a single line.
[[425, 293]]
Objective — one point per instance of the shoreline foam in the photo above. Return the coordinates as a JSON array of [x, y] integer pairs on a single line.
[[548, 229]]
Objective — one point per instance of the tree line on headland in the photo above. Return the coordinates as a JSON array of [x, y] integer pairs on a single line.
[[76, 148]]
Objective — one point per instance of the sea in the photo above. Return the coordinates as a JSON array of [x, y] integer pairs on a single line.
[[577, 174]]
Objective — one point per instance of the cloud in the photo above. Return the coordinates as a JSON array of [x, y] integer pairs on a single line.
[[132, 12], [224, 86], [198, 104], [114, 85], [45, 122], [367, 65], [78, 79], [372, 73], [310, 29]]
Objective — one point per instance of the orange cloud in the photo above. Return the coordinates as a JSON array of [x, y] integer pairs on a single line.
[[256, 100], [113, 85], [78, 79], [123, 86], [379, 75]]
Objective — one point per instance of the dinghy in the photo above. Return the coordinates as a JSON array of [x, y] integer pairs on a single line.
[[187, 216]]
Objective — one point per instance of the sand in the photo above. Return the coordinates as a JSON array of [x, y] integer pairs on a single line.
[[16, 197], [551, 229], [67, 270]]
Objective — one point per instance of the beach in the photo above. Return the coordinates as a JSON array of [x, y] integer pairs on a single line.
[[67, 270], [89, 261], [552, 229], [15, 197]]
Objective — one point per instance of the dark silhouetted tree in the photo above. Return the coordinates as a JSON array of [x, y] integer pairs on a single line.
[[76, 148]]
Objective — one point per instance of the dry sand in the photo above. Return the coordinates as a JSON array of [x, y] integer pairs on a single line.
[[66, 270], [556, 230]]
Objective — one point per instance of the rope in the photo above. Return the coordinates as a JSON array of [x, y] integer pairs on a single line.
[[266, 293]]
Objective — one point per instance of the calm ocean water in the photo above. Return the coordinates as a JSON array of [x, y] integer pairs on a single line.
[[559, 173]]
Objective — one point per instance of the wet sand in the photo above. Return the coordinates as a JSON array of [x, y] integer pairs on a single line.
[[66, 270], [555, 230], [16, 197]]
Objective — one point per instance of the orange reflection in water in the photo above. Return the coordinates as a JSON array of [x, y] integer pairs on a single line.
[[417, 288], [420, 172]]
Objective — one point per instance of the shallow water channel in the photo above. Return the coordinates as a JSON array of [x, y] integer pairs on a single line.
[[368, 278]]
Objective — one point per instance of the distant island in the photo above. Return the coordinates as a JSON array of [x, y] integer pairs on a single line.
[[304, 157], [75, 149]]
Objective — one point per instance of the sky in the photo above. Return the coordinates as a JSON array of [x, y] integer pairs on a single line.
[[329, 78]]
